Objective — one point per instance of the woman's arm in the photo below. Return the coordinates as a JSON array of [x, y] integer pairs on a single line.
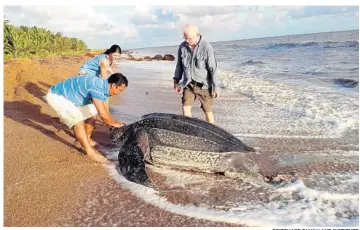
[[104, 66]]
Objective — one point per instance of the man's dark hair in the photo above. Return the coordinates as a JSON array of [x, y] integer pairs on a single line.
[[118, 79], [113, 49]]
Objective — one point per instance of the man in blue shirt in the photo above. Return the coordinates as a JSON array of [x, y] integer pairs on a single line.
[[77, 101], [196, 65]]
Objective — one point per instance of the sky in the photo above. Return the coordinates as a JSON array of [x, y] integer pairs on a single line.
[[150, 25]]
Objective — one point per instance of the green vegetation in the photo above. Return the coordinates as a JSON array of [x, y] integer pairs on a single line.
[[26, 42]]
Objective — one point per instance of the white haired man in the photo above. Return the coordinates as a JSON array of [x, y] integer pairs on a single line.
[[196, 66]]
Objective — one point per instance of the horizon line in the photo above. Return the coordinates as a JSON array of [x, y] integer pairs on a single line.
[[240, 39]]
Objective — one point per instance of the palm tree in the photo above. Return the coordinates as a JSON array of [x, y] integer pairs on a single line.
[[27, 41], [9, 45]]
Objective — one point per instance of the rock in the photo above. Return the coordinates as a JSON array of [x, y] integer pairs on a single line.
[[169, 57], [132, 55], [125, 52], [90, 54], [158, 57]]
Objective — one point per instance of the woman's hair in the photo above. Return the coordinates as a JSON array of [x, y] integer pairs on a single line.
[[113, 49]]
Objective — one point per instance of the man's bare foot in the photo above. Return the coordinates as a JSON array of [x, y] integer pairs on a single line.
[[77, 144], [96, 156], [92, 143]]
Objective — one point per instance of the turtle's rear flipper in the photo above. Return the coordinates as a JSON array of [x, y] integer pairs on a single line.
[[131, 158]]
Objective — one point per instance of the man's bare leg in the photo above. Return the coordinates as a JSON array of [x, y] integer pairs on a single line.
[[187, 111], [80, 133], [89, 127], [209, 117]]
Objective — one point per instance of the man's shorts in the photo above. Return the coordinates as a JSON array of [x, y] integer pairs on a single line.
[[67, 111], [194, 90]]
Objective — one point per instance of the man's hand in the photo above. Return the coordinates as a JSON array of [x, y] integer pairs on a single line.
[[177, 88], [216, 94], [105, 115], [118, 124]]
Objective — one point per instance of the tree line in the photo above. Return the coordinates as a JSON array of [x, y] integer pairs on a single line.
[[33, 41]]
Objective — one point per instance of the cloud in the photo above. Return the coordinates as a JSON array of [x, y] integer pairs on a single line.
[[200, 11], [204, 16], [312, 11], [146, 17], [51, 12], [78, 21], [142, 15], [209, 18], [99, 26]]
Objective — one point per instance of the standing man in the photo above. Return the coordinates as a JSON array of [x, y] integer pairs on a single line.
[[78, 99], [196, 62]]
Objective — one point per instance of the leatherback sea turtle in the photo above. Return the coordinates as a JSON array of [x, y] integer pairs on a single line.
[[179, 142]]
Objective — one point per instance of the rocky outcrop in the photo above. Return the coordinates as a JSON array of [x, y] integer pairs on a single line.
[[158, 57], [166, 57], [169, 57], [131, 55], [147, 58]]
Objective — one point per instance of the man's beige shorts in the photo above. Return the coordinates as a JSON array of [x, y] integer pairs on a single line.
[[68, 113], [192, 91]]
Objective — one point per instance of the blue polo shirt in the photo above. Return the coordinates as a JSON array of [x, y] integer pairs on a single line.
[[81, 89]]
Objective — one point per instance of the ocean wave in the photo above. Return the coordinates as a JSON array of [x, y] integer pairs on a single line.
[[315, 73], [333, 113], [232, 46], [292, 205], [347, 83], [342, 44], [323, 44], [251, 62], [237, 45]]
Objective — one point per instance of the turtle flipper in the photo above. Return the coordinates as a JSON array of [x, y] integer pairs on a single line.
[[132, 158]]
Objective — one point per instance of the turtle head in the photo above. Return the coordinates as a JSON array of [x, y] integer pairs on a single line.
[[252, 165], [118, 135], [241, 164]]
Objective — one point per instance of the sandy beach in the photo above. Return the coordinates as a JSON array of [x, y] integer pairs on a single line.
[[49, 182], [46, 177], [283, 152]]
